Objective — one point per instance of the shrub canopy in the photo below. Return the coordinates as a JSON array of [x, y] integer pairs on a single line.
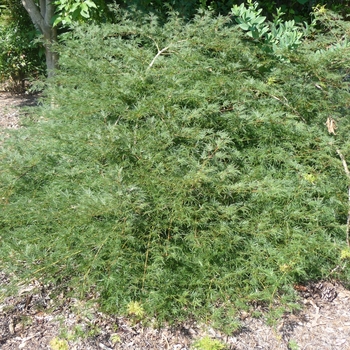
[[180, 166]]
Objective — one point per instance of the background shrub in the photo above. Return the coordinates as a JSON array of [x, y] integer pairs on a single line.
[[20, 55]]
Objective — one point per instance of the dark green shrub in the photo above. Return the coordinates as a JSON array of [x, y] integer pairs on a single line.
[[20, 56], [179, 167], [297, 10]]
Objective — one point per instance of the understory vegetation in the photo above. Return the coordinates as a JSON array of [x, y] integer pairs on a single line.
[[182, 168], [21, 56]]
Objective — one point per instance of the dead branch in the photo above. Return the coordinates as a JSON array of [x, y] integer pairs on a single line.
[[157, 55], [286, 103], [346, 169], [347, 172], [161, 52]]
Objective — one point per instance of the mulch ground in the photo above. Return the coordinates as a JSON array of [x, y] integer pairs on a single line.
[[38, 317], [10, 105]]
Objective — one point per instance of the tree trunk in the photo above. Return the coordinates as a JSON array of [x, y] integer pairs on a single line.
[[50, 54], [42, 16], [51, 61]]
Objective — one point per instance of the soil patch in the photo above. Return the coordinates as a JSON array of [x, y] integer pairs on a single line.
[[10, 105]]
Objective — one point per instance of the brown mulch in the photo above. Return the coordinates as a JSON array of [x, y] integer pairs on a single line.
[[38, 317], [10, 105]]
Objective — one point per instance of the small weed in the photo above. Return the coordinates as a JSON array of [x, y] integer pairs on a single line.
[[256, 314], [78, 332], [59, 344], [345, 254], [26, 321], [135, 309], [115, 338], [225, 319], [207, 343], [293, 345]]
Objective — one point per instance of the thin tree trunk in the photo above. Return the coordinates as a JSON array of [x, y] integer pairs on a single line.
[[42, 19], [51, 61], [50, 53]]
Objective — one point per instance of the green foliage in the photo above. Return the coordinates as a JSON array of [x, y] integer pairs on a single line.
[[207, 343], [135, 311], [337, 30], [296, 10], [3, 10], [20, 54], [345, 254], [293, 345], [179, 166], [249, 19], [276, 37], [185, 8], [59, 344], [72, 11], [299, 10]]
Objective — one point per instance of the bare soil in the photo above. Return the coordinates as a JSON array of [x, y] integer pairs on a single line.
[[39, 317]]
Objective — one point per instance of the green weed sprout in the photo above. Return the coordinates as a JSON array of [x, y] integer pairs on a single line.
[[293, 345], [207, 343], [135, 310], [59, 344], [345, 254]]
